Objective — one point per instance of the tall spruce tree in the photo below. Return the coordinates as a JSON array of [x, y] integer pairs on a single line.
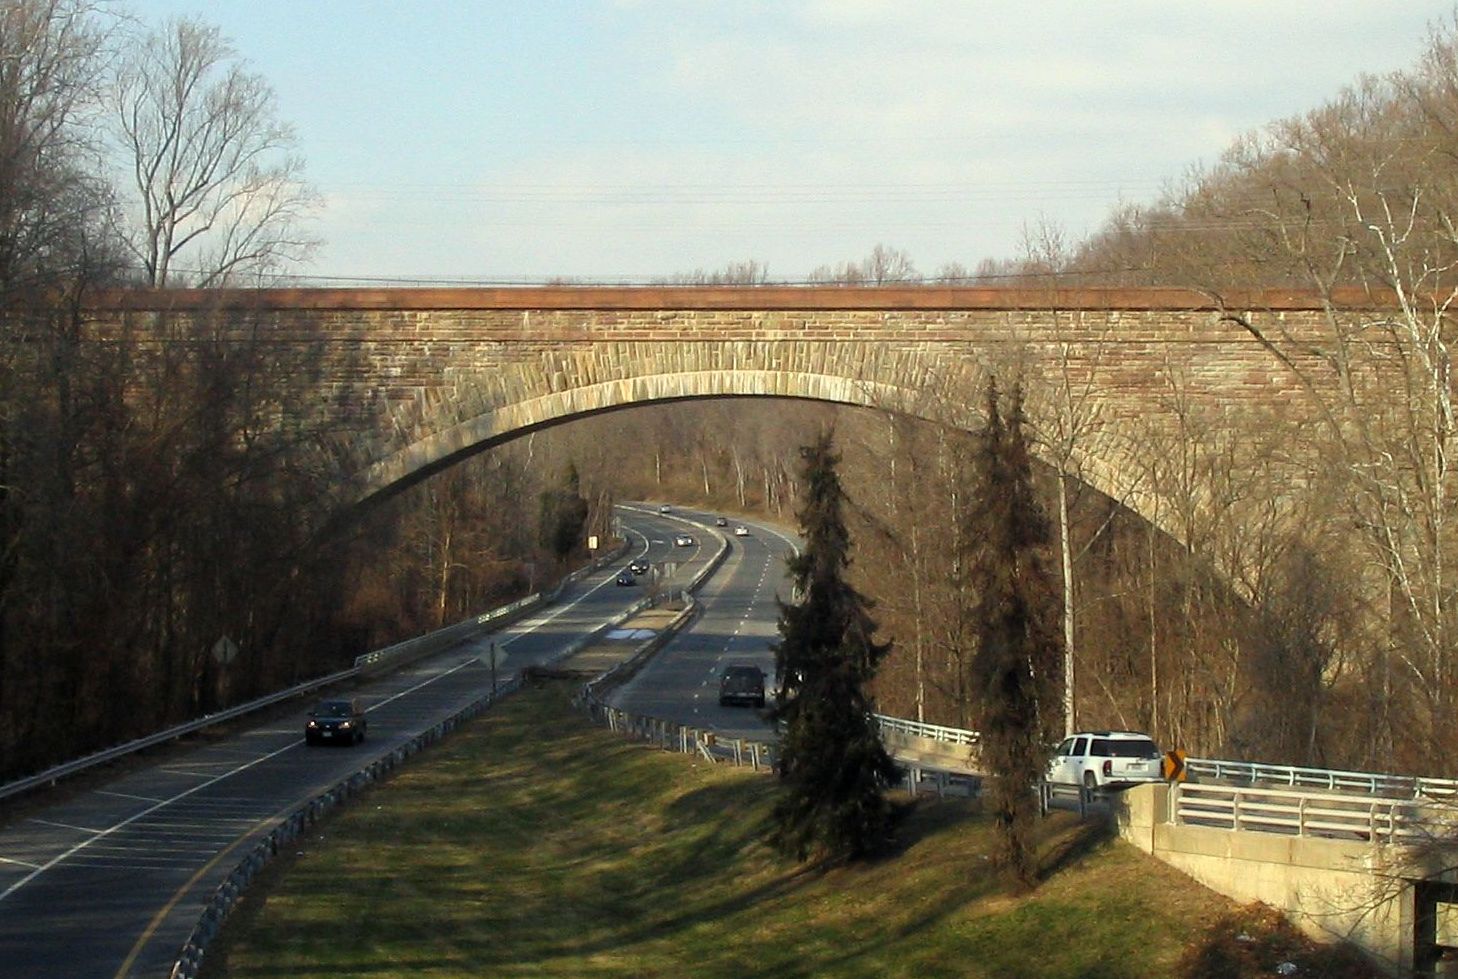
[[832, 762], [1016, 667]]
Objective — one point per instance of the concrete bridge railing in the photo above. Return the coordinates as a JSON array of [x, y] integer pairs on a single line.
[[1370, 889]]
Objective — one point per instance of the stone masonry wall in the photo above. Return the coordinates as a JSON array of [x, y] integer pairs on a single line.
[[413, 379]]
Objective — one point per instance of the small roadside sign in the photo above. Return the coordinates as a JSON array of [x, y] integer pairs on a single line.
[[493, 656], [225, 650], [1174, 766]]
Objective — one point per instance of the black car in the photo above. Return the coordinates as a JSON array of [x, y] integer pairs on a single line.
[[741, 684], [336, 722], [626, 577]]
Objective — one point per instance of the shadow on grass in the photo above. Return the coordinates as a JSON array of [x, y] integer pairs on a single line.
[[613, 851], [1071, 848]]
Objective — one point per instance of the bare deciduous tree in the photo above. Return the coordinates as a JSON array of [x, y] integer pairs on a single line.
[[212, 168], [885, 265], [52, 57], [751, 272]]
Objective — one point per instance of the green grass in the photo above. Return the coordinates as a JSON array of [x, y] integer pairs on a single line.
[[534, 844]]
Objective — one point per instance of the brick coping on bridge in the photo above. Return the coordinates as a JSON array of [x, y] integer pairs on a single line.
[[670, 298]]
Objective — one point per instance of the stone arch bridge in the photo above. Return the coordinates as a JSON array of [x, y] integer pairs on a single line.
[[416, 379]]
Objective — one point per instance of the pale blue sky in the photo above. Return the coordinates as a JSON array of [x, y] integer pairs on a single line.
[[499, 140]]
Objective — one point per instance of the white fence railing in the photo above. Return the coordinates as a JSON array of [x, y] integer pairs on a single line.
[[932, 732], [1296, 812], [1332, 780], [1246, 772]]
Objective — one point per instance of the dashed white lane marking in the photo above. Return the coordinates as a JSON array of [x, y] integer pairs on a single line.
[[79, 829], [128, 795], [101, 835], [183, 771]]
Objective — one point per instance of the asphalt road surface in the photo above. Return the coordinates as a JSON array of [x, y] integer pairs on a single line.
[[737, 625], [109, 883]]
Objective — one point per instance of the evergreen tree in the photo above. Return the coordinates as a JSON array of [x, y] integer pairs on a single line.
[[1016, 667], [832, 762], [563, 516]]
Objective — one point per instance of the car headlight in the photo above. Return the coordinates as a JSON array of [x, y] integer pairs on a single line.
[[343, 725], [312, 724]]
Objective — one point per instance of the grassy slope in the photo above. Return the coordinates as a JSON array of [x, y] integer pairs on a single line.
[[532, 844]]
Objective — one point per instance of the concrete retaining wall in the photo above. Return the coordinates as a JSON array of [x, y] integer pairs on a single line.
[[1333, 889]]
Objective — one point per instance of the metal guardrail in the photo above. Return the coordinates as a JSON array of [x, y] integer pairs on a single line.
[[1251, 773], [1333, 780], [297, 822], [373, 662], [433, 642], [189, 959], [932, 732], [670, 735], [77, 765], [1296, 812], [759, 755], [684, 738]]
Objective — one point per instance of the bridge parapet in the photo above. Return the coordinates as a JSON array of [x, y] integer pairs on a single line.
[[1368, 891], [413, 380]]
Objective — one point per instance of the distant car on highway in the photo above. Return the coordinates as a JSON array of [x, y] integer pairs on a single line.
[[665, 509], [1106, 759], [683, 540], [626, 577], [720, 522], [639, 567], [741, 531], [336, 722], [741, 684]]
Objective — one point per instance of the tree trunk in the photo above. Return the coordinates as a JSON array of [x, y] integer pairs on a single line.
[[1066, 555]]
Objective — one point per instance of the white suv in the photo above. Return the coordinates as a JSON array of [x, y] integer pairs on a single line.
[[1106, 759]]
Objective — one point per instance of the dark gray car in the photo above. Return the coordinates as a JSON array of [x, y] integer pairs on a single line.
[[336, 722], [741, 684]]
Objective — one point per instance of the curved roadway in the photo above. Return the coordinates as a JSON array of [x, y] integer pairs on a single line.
[[738, 622], [109, 883]]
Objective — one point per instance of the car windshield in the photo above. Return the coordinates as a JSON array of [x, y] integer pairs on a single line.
[[333, 708], [1125, 749]]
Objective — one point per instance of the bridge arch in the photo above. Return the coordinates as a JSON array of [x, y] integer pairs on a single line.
[[411, 380], [442, 446]]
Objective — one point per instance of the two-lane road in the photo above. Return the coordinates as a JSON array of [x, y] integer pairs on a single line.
[[738, 623], [110, 882]]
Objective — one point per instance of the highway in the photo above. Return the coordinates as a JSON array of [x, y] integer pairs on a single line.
[[738, 623], [109, 882]]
